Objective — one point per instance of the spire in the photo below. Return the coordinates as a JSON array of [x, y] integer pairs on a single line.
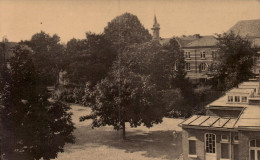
[[156, 29], [155, 19]]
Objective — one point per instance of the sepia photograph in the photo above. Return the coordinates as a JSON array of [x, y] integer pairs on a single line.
[[130, 80]]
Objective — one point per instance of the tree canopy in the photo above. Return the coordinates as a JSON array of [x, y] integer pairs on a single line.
[[235, 60], [125, 96], [88, 60], [125, 30], [32, 126], [48, 55]]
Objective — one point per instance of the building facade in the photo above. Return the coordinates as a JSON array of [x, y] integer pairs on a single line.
[[229, 131], [200, 52]]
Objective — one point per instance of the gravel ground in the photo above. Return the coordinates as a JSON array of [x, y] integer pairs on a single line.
[[104, 143]]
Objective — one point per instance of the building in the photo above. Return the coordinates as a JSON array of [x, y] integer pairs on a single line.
[[251, 30], [230, 129], [200, 52], [200, 56]]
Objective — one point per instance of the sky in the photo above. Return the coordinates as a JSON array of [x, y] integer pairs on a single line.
[[20, 19]]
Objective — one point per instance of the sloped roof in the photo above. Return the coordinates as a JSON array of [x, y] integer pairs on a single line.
[[250, 28], [204, 41], [213, 122], [192, 41], [249, 118]]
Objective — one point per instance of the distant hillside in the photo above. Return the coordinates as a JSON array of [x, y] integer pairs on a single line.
[[249, 28]]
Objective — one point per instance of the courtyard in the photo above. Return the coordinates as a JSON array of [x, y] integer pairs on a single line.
[[105, 143]]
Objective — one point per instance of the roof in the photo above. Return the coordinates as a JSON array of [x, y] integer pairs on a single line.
[[204, 41], [213, 122], [192, 41], [250, 28], [241, 90], [249, 118]]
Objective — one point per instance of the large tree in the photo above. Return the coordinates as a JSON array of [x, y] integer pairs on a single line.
[[125, 96], [235, 60], [88, 60], [32, 126], [125, 30], [48, 55]]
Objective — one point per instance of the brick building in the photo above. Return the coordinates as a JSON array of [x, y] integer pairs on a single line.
[[200, 52], [230, 129]]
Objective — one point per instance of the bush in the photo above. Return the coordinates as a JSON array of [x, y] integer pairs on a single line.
[[69, 94]]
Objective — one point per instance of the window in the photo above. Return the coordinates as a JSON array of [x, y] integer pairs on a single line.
[[255, 143], [230, 98], [225, 150], [192, 147], [202, 55], [244, 99], [235, 139], [214, 54], [237, 99], [210, 143], [202, 66], [187, 65], [254, 149], [187, 54], [224, 138]]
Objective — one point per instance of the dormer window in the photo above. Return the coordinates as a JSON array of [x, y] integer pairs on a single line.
[[237, 98], [230, 98]]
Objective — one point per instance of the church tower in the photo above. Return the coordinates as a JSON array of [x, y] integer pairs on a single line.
[[156, 29]]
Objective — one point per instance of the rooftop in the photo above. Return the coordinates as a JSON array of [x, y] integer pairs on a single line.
[[204, 41], [249, 28]]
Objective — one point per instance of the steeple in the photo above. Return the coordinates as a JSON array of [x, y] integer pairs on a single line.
[[156, 29]]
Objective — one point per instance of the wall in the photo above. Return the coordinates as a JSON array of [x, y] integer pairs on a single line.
[[195, 60], [200, 147], [244, 138], [223, 113]]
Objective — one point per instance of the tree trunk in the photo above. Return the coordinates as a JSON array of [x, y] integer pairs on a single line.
[[123, 127]]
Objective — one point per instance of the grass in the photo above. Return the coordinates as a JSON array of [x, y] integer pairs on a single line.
[[104, 143]]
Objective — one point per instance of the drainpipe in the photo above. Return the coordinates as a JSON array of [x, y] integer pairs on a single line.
[[231, 157], [196, 65]]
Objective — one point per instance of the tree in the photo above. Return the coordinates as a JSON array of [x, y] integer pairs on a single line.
[[185, 103], [235, 60], [88, 60], [125, 96], [125, 30], [32, 126], [48, 57]]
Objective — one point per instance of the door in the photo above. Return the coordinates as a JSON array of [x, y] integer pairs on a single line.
[[210, 146]]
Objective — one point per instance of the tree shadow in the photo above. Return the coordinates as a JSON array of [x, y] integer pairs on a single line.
[[156, 144]]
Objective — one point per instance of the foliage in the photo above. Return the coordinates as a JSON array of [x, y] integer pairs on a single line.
[[89, 59], [69, 94], [125, 30], [48, 57], [183, 100], [235, 60], [125, 96], [32, 126]]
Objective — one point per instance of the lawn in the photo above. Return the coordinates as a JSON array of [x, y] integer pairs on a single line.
[[104, 143]]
